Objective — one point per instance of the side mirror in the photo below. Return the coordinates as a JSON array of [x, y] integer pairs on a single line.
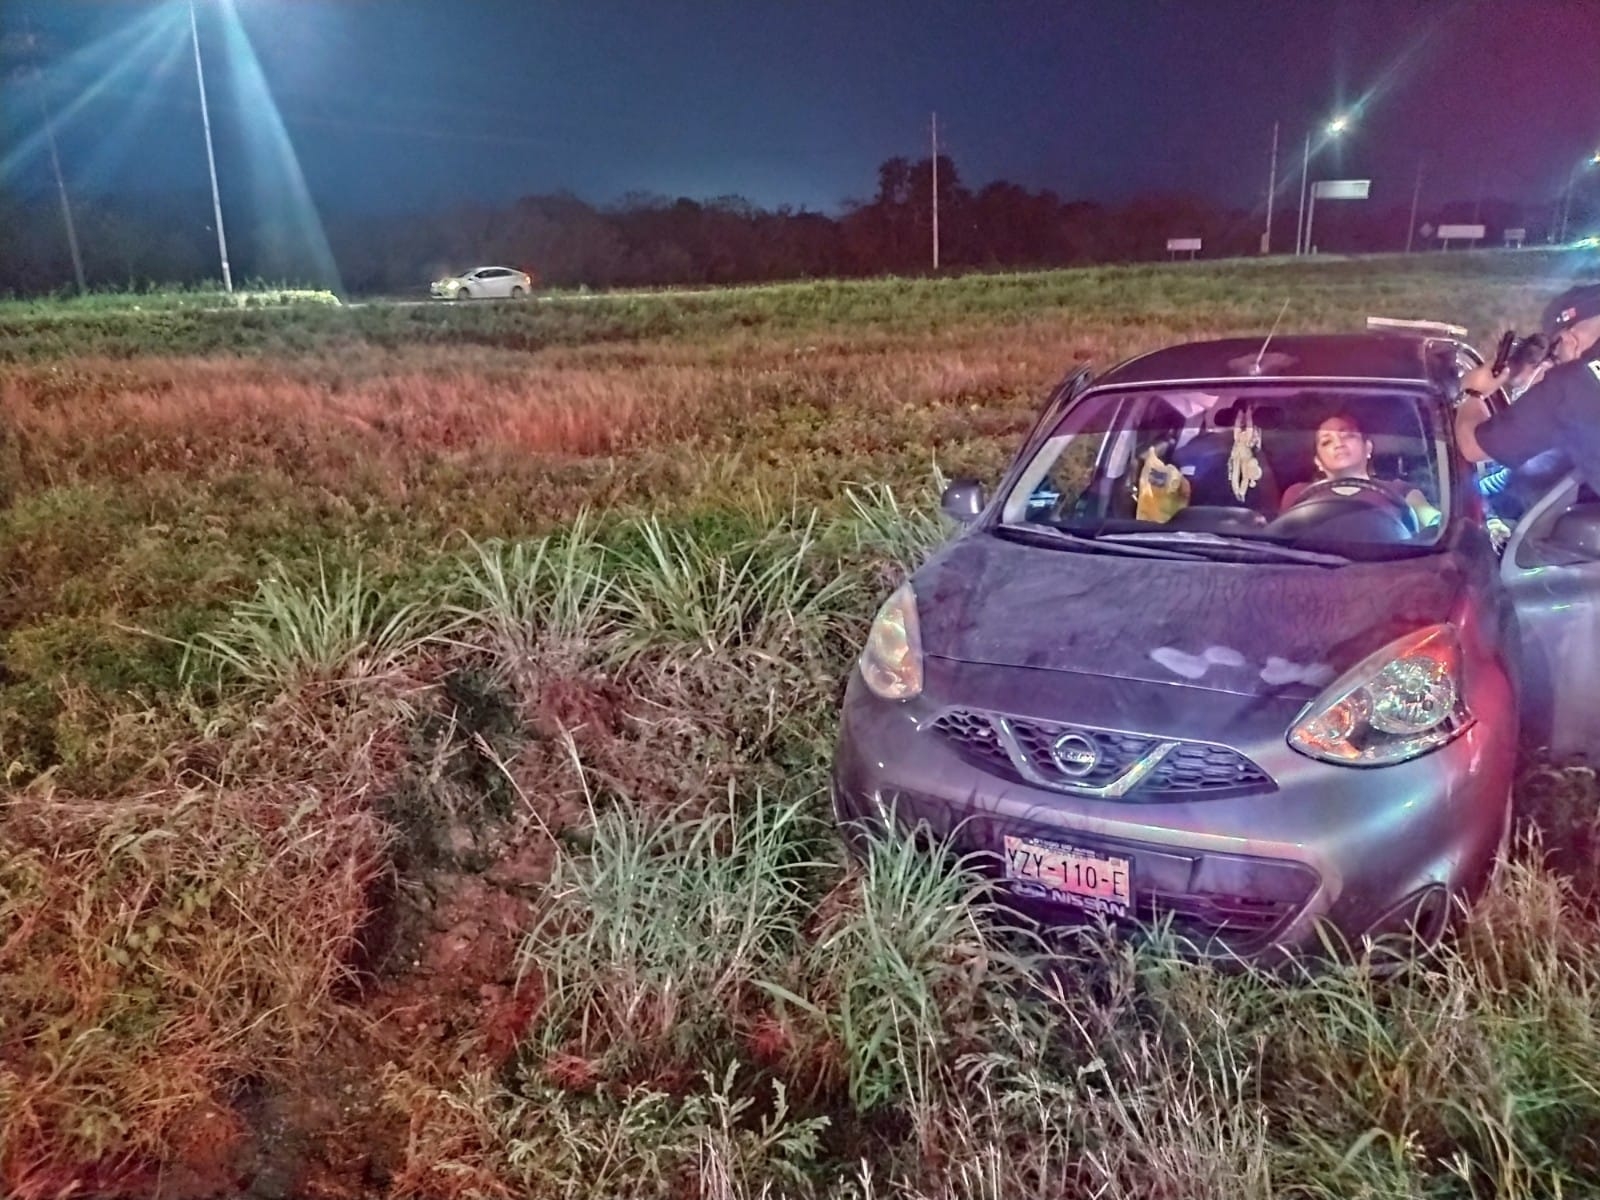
[[962, 500], [1578, 530]]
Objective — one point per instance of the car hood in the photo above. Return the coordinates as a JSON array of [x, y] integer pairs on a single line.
[[1247, 628]]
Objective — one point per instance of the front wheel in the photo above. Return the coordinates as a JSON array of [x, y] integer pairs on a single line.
[[463, 294]]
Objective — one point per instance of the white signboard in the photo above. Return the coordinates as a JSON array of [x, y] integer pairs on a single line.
[[1190, 244], [1452, 233], [1341, 189], [1515, 237]]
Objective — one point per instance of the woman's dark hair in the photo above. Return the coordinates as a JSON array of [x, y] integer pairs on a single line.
[[1348, 417]]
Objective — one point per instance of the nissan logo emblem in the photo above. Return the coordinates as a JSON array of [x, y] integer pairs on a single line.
[[1074, 754]]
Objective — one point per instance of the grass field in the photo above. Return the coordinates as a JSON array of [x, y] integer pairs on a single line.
[[415, 725]]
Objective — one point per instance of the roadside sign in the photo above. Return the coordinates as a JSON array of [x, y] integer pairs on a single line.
[[1177, 245], [1515, 237], [1332, 189], [1341, 189], [1459, 233]]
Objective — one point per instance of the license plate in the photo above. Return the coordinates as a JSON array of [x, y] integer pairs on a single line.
[[1070, 875]]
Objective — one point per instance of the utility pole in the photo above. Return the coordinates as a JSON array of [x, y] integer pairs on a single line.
[[934, 128], [55, 164], [1272, 191], [211, 158], [1416, 195]]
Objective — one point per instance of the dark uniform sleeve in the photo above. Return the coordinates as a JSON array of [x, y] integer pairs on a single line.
[[1560, 412]]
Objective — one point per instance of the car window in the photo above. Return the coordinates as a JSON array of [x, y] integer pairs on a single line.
[[1350, 468]]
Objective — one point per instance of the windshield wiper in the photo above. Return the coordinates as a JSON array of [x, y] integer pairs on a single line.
[[1055, 535], [1249, 546]]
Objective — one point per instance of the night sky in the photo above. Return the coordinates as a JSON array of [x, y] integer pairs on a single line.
[[402, 105]]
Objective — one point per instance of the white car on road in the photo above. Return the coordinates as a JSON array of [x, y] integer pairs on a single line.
[[484, 283]]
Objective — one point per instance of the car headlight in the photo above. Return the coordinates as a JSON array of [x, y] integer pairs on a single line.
[[1396, 704], [891, 661]]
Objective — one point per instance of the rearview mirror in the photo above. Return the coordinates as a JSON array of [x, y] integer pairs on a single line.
[[962, 500]]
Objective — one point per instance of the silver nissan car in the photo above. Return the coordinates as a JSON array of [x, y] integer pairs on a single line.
[[1235, 645]]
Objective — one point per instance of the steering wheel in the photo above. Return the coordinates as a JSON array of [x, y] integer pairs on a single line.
[[1364, 509]]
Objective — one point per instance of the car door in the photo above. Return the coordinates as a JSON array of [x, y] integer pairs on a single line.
[[499, 283], [1551, 571]]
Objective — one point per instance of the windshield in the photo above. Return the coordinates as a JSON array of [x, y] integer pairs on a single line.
[[1254, 470]]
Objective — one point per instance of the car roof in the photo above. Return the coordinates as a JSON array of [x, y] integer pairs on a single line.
[[1399, 356]]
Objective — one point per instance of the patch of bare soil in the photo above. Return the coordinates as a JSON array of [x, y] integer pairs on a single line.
[[440, 994]]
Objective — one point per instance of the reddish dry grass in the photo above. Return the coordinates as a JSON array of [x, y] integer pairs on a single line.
[[219, 416], [122, 1055], [325, 421], [159, 946]]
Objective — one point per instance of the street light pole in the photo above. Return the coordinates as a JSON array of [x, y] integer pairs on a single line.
[[1272, 191], [211, 158], [1566, 206], [1572, 179], [1305, 169], [933, 127], [1303, 235], [1416, 194]]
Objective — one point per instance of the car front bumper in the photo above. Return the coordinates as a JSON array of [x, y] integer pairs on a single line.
[[1264, 875]]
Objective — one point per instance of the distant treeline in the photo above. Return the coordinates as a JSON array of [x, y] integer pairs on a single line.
[[654, 240]]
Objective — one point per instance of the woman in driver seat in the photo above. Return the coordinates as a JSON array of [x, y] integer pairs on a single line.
[[1345, 452]]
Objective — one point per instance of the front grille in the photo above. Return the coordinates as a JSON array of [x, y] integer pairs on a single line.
[[1203, 767], [1117, 751], [974, 738], [1021, 748]]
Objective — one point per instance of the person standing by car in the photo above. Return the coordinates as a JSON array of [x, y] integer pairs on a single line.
[[1558, 412]]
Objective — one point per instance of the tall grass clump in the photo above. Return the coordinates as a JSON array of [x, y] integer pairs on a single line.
[[338, 628], [729, 1137], [899, 970], [679, 588], [654, 941], [882, 524], [1466, 1074], [524, 593]]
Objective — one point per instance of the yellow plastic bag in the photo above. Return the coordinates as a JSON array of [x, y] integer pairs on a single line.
[[1163, 490]]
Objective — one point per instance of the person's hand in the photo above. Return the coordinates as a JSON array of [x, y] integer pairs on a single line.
[[1483, 380]]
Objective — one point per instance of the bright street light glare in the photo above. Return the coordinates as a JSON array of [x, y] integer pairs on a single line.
[[1338, 125]]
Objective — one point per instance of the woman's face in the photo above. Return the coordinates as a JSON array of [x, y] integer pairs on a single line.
[[1342, 449]]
